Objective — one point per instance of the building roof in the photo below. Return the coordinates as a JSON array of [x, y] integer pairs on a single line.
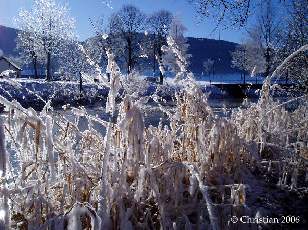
[[10, 62]]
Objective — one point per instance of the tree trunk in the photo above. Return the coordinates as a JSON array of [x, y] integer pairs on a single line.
[[130, 61], [268, 62], [154, 63], [35, 67], [244, 78], [48, 76], [154, 57], [34, 62], [80, 83], [161, 76]]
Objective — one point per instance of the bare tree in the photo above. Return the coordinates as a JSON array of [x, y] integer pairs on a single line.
[[260, 49], [159, 24], [266, 34], [125, 25], [298, 24], [229, 12], [273, 38], [294, 36]]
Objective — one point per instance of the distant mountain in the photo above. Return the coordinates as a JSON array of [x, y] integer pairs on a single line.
[[219, 51], [7, 40], [200, 48]]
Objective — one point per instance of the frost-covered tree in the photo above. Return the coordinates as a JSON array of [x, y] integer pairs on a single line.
[[27, 50], [247, 57], [208, 66], [294, 36], [73, 63], [297, 24], [125, 27], [179, 41], [95, 49], [97, 46], [27, 41], [159, 24], [277, 36], [239, 60], [265, 34], [47, 27], [260, 49]]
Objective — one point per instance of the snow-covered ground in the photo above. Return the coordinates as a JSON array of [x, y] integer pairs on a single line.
[[32, 91], [36, 92]]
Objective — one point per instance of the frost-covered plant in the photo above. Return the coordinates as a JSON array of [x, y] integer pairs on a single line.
[[78, 171], [270, 117], [279, 131], [175, 55], [7, 73], [134, 85]]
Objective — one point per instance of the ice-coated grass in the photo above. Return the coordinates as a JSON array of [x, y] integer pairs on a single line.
[[190, 174]]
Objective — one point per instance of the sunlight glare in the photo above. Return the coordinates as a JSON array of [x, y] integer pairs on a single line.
[[2, 214]]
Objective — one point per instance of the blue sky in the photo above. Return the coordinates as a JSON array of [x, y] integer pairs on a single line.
[[82, 10]]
